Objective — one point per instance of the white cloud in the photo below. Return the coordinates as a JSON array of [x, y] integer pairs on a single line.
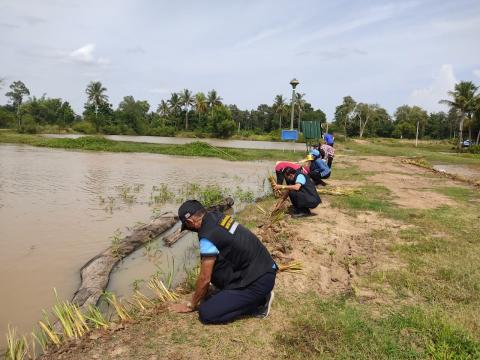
[[476, 72], [368, 17], [85, 55], [429, 96]]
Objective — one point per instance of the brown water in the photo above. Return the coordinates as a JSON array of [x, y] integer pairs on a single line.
[[239, 144], [59, 208]]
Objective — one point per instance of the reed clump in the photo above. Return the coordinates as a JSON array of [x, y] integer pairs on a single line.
[[66, 321]]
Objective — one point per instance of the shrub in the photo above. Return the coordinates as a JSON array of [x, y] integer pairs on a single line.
[[162, 131], [84, 127]]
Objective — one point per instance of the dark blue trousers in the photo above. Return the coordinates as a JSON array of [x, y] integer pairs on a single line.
[[227, 305]]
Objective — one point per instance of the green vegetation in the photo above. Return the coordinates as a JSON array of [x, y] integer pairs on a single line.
[[432, 151], [198, 148], [359, 119], [206, 115], [336, 329]]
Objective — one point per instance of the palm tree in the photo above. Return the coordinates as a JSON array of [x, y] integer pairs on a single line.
[[96, 95], [213, 99], [163, 110], [201, 103], [280, 107], [186, 100], [175, 105], [463, 102], [300, 103]]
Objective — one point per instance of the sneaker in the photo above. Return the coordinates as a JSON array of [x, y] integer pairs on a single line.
[[264, 310], [301, 213]]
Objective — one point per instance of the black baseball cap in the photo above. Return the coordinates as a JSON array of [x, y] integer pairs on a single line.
[[187, 209]]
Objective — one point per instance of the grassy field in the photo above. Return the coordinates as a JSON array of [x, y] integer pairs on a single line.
[[198, 148]]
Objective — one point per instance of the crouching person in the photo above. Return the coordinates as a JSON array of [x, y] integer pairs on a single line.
[[301, 191], [234, 260]]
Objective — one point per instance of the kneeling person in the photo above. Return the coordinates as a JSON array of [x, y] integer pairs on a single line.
[[302, 192], [234, 260]]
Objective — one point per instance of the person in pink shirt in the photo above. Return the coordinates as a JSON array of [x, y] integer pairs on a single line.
[[281, 165]]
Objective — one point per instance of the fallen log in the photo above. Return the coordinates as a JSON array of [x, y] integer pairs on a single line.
[[95, 274], [178, 234]]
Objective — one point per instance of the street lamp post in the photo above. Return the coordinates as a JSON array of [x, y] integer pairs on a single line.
[[294, 84]]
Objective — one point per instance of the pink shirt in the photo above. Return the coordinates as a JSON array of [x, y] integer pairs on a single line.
[[280, 165]]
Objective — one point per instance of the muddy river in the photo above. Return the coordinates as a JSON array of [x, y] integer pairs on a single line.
[[240, 144], [59, 208]]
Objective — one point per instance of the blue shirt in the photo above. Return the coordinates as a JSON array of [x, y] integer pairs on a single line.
[[301, 179], [320, 167], [328, 139], [207, 248]]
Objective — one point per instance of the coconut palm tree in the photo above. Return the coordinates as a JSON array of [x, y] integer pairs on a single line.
[[463, 99], [175, 105], [201, 103], [96, 95], [300, 103], [163, 110], [280, 107], [213, 99], [186, 100]]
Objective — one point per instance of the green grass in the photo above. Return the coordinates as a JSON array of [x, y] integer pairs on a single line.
[[336, 329], [434, 152], [95, 143], [459, 194]]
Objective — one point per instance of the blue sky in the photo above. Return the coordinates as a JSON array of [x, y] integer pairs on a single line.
[[390, 53]]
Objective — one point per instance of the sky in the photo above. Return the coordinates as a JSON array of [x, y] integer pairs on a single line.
[[390, 53]]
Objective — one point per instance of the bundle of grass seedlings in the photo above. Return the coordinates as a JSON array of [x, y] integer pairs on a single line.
[[66, 321]]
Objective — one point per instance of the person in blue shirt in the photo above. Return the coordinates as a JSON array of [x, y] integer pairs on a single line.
[[234, 260], [319, 169], [329, 139], [301, 191]]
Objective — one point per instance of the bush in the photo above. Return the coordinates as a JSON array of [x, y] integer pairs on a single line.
[[474, 149], [29, 126], [84, 127], [220, 122], [162, 131]]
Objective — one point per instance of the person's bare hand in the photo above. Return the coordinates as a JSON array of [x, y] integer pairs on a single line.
[[180, 308]]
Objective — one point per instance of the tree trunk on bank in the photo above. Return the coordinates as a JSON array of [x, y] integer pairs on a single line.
[[186, 119], [95, 274], [460, 132], [478, 137]]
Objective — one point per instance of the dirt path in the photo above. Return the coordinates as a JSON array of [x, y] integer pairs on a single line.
[[338, 249]]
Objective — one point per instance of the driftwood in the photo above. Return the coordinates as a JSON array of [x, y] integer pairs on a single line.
[[178, 234], [95, 274]]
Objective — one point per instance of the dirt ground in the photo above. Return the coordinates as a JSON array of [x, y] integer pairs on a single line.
[[337, 249]]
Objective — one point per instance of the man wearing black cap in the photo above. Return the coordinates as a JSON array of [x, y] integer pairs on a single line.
[[234, 260]]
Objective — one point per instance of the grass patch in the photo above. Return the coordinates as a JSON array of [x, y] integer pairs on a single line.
[[351, 173], [459, 194], [434, 152], [197, 148], [337, 330]]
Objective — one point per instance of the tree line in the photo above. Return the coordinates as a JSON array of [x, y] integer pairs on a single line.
[[207, 114]]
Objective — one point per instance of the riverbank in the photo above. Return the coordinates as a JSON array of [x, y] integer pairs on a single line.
[[197, 148], [390, 271]]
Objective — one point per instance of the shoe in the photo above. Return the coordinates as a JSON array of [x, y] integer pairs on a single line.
[[321, 182], [301, 213], [264, 310]]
